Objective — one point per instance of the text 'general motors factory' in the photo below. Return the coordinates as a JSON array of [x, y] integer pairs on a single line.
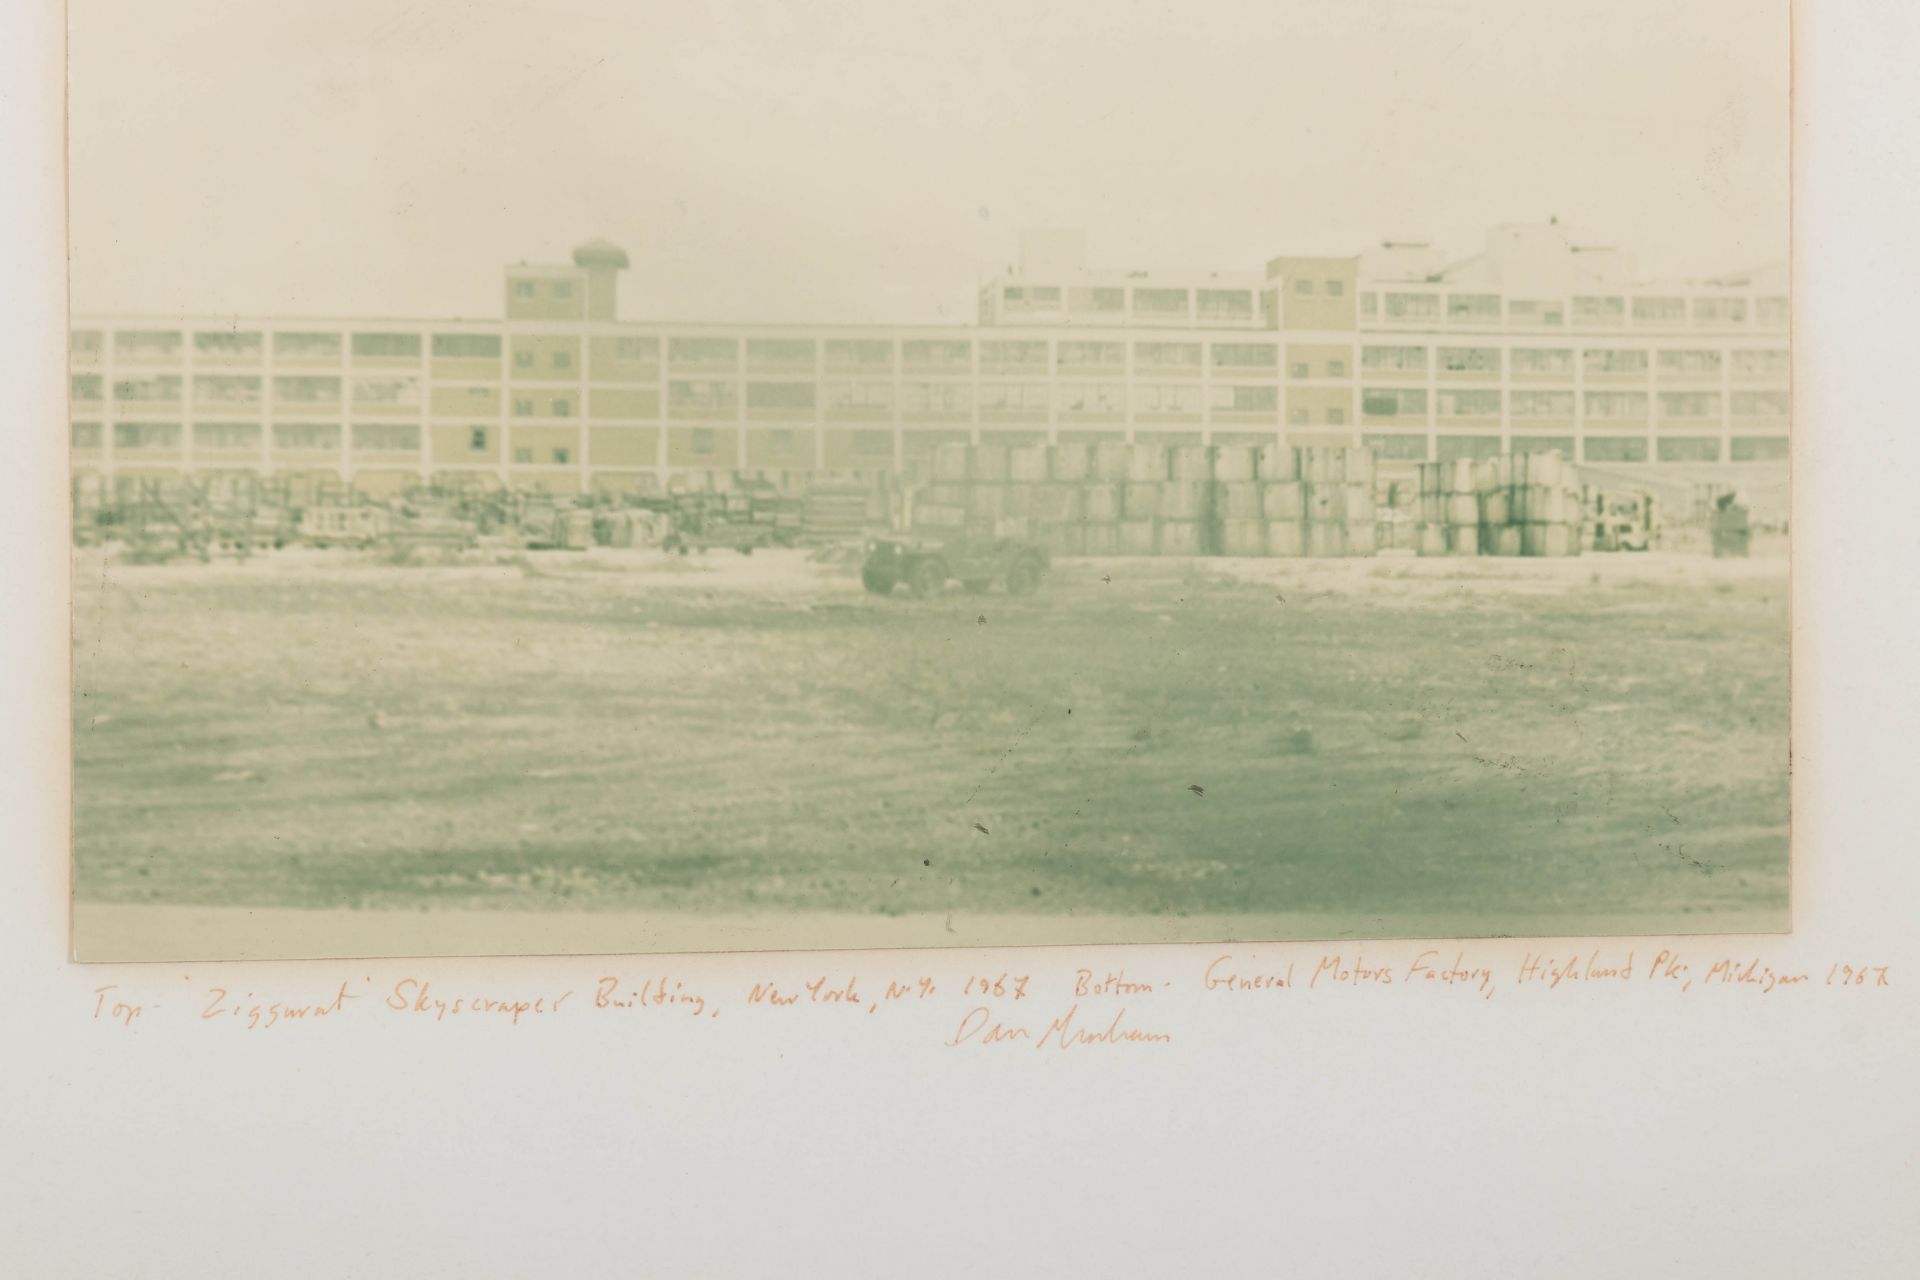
[[1540, 342]]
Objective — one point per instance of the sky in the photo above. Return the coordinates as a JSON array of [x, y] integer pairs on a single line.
[[860, 161]]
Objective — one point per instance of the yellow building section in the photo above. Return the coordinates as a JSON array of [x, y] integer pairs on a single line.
[[623, 446], [702, 446], [1316, 293], [543, 446], [628, 404], [545, 357], [1319, 360], [453, 446], [466, 369], [857, 449], [624, 360], [1319, 406], [546, 296], [781, 448], [384, 483], [464, 402]]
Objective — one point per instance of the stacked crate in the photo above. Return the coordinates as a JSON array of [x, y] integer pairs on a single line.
[[1114, 498], [1523, 504]]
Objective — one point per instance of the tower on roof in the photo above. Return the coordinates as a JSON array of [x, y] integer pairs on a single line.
[[603, 261]]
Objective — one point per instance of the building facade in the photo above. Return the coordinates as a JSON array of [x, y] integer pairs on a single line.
[[1539, 342]]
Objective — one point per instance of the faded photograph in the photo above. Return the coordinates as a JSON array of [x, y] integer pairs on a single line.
[[567, 476]]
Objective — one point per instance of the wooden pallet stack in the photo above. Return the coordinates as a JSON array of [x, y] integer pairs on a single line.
[[1523, 504]]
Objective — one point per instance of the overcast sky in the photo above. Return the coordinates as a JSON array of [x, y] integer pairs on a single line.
[[866, 160]]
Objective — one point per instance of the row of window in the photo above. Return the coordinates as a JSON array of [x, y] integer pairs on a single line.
[[1591, 449], [1594, 361], [1391, 402], [1604, 311], [313, 437], [1211, 304]]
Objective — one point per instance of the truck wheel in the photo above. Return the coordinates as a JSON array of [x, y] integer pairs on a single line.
[[926, 578], [1023, 579], [878, 583]]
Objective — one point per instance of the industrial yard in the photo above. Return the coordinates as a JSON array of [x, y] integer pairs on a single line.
[[1581, 739]]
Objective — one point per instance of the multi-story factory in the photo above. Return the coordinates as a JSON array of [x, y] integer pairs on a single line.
[[1540, 342]]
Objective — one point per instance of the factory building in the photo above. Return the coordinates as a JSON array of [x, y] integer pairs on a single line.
[[1540, 341]]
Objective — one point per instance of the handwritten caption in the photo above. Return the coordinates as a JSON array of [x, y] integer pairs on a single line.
[[1058, 1008]]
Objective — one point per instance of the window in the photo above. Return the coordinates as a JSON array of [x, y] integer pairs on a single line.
[[1226, 304], [386, 437], [648, 349], [1336, 368], [686, 351], [307, 346], [562, 407], [1469, 404], [1296, 416], [1471, 360], [1773, 364], [523, 408], [1599, 311], [702, 440], [1536, 361], [1166, 355], [562, 455], [1300, 369], [1251, 357], [1393, 402], [1532, 313], [140, 344], [1370, 308], [1303, 286], [936, 397], [1336, 417], [780, 441], [86, 435], [85, 386], [1602, 361], [939, 353], [226, 435], [1761, 404], [1543, 444], [523, 455], [1112, 355], [1614, 449], [84, 342], [1014, 397], [1092, 397], [386, 346], [146, 435], [1010, 353], [1044, 296], [227, 346], [309, 436], [1167, 397], [1453, 448], [562, 290], [1719, 310], [1413, 306], [1106, 300], [1160, 302], [1540, 404], [563, 359], [1233, 399], [1616, 404], [466, 346], [865, 397], [477, 440], [1473, 308], [1759, 448], [398, 393], [1393, 359], [523, 359], [1399, 448], [523, 288], [1659, 310], [229, 390], [1689, 404], [868, 353], [794, 396], [1689, 449], [1336, 289], [164, 390], [1690, 362], [873, 443], [701, 396]]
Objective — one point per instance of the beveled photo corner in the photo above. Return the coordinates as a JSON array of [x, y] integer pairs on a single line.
[[600, 477]]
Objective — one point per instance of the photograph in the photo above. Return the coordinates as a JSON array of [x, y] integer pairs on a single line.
[[570, 476]]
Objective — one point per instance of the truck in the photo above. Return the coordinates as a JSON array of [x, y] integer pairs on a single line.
[[941, 547]]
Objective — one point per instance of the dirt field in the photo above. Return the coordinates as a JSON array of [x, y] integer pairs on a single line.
[[1601, 738]]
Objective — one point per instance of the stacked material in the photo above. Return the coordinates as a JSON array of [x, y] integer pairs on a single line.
[[1523, 504], [1113, 498]]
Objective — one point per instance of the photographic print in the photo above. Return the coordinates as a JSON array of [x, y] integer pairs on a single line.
[[575, 476]]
